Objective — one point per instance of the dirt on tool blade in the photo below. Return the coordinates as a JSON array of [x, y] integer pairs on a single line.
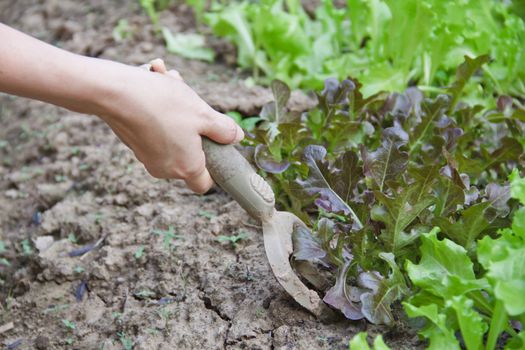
[[99, 255]]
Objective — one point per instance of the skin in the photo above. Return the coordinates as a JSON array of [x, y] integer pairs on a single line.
[[155, 114]]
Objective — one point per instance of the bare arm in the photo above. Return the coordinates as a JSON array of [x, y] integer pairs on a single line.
[[157, 115]]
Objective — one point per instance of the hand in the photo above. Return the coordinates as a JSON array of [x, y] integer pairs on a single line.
[[162, 119], [157, 115]]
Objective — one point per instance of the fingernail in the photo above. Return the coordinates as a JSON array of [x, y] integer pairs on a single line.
[[239, 135]]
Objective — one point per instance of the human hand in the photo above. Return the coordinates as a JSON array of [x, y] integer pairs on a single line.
[[162, 119], [157, 115]]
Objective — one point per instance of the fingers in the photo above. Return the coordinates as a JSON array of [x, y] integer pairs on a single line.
[[221, 128], [193, 168], [158, 66], [200, 183]]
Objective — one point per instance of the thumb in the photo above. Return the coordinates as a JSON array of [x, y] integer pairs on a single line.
[[222, 129]]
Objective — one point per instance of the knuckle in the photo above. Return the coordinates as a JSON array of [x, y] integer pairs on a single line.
[[192, 170], [204, 112], [231, 132]]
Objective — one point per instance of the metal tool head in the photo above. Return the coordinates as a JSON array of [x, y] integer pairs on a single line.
[[277, 231], [237, 177]]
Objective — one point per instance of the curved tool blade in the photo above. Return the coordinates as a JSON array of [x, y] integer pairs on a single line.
[[277, 232]]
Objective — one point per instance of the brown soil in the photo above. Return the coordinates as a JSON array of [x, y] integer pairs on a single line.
[[66, 181]]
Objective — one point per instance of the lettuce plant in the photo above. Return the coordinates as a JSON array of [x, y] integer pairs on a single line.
[[371, 175], [482, 305], [386, 44]]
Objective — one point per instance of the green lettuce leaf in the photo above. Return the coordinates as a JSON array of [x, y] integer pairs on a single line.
[[437, 330]]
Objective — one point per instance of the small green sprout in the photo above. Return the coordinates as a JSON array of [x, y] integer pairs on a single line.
[[126, 342], [143, 294], [206, 214], [56, 308], [152, 331], [233, 239], [26, 247], [72, 238], [167, 237], [259, 312], [2, 247], [5, 262], [70, 341], [164, 313], [98, 218], [140, 252], [117, 316], [70, 325], [79, 269], [75, 151], [60, 178], [149, 7], [122, 30]]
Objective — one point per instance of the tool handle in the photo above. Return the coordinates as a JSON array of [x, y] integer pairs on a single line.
[[234, 174]]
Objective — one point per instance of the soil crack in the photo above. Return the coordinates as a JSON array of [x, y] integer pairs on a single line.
[[208, 304]]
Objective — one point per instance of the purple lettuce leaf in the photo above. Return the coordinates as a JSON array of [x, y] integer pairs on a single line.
[[306, 246], [388, 161], [382, 292], [322, 181], [339, 298], [266, 161]]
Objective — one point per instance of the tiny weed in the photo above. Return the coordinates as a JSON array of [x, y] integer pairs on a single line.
[[140, 252], [26, 247], [56, 308], [143, 294], [165, 313], [75, 151], [70, 325], [83, 166], [116, 314], [98, 218], [70, 341], [2, 247], [79, 269], [122, 30], [126, 342], [152, 331], [72, 238], [233, 239], [167, 237], [5, 262], [206, 214], [60, 178], [259, 312], [149, 7]]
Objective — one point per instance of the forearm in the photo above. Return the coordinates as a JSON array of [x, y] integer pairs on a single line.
[[34, 69]]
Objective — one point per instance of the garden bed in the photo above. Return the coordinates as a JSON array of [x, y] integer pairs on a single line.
[[159, 277]]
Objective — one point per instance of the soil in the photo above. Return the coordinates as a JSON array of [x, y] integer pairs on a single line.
[[158, 277]]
